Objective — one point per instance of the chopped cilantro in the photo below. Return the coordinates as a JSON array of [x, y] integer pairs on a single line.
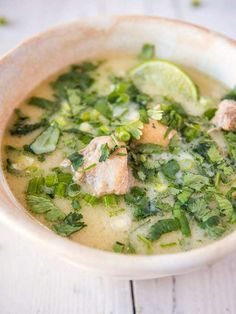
[[147, 52], [195, 181], [20, 127], [75, 204], [183, 196], [225, 206], [76, 159], [40, 204], [214, 154], [103, 107], [71, 224], [209, 114], [170, 169], [139, 201], [105, 152], [41, 103]]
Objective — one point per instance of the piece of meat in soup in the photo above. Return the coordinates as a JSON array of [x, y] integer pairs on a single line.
[[105, 177], [225, 116], [155, 132]]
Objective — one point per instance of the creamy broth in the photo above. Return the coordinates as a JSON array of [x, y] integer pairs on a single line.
[[104, 227]]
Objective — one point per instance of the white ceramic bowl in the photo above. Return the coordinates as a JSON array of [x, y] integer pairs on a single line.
[[31, 62]]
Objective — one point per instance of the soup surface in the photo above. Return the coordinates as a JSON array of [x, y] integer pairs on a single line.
[[127, 154]]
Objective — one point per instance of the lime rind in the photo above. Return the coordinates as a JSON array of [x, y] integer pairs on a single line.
[[162, 77]]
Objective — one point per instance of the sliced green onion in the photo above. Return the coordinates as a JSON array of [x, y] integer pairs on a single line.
[[60, 189], [64, 177], [167, 245], [186, 164], [35, 186], [130, 249], [73, 190], [217, 179], [113, 213], [123, 135], [118, 247], [90, 167], [50, 180], [90, 199], [147, 242], [110, 200]]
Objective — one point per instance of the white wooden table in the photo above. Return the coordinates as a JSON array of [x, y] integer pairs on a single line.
[[31, 282]]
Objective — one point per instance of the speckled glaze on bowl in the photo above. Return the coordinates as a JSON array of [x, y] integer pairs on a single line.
[[22, 69]]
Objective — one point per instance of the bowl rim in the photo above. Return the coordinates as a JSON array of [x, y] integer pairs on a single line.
[[61, 246]]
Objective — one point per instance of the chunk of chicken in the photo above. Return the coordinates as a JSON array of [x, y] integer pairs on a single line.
[[106, 177], [225, 116], [154, 132]]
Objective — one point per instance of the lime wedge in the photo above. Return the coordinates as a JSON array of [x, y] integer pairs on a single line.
[[161, 77]]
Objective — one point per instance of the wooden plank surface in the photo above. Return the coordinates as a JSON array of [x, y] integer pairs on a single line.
[[31, 282]]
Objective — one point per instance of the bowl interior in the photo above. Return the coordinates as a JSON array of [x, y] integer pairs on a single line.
[[36, 59]]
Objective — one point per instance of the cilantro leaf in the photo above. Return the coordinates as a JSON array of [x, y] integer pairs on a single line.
[[76, 159], [71, 224], [20, 127], [201, 211], [105, 152], [195, 181], [40, 204], [41, 103], [214, 226], [225, 206], [214, 154], [138, 200], [77, 77], [103, 107], [74, 99], [170, 168], [209, 114], [147, 52]]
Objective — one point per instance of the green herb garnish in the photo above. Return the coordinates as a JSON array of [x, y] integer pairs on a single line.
[[77, 160], [71, 224], [105, 152]]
